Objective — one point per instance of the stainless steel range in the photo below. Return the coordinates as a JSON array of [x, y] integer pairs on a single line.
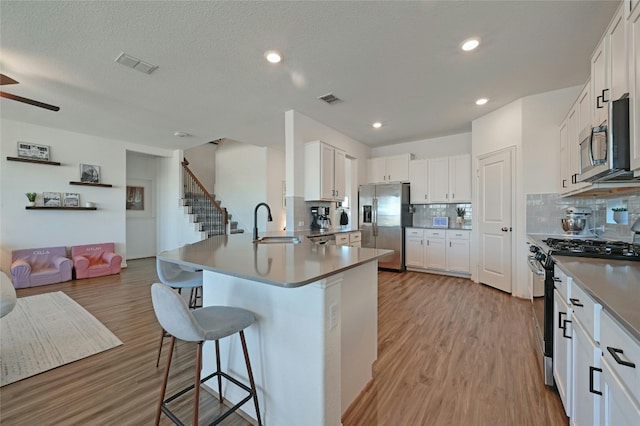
[[541, 263]]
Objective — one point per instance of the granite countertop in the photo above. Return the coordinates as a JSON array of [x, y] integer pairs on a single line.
[[615, 284], [283, 265]]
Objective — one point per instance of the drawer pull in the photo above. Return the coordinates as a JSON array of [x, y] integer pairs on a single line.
[[560, 314], [556, 279], [564, 329], [614, 353], [591, 370], [576, 302]]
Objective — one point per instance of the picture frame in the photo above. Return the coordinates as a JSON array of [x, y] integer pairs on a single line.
[[135, 197], [89, 173], [71, 199], [33, 151], [51, 199]]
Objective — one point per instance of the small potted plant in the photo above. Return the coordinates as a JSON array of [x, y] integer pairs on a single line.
[[31, 196], [460, 212], [620, 215]]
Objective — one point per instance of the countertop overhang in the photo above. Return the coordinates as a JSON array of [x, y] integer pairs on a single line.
[[283, 265]]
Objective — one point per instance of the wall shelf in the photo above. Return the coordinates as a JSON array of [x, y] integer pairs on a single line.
[[59, 208], [33, 160], [104, 185]]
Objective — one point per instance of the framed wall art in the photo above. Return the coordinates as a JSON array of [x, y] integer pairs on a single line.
[[71, 199], [33, 151], [89, 173], [135, 197], [51, 199]]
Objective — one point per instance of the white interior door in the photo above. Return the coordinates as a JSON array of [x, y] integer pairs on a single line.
[[495, 221]]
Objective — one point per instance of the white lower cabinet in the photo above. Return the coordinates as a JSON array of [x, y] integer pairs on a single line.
[[618, 406], [597, 375], [562, 351], [414, 247], [586, 378], [458, 251], [435, 250], [355, 239]]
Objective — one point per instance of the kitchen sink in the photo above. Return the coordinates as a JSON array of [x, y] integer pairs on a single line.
[[278, 240]]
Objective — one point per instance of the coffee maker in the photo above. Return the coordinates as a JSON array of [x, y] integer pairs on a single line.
[[320, 218]]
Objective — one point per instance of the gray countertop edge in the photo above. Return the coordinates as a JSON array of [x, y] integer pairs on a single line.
[[272, 282], [632, 327]]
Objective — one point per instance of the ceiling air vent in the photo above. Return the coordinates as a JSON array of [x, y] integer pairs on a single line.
[[135, 63], [330, 99]]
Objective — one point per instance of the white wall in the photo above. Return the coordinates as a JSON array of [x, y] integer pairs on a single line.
[[429, 148], [141, 225], [202, 163], [531, 126], [20, 228], [247, 175], [542, 116]]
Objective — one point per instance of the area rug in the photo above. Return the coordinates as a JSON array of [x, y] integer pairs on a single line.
[[47, 331]]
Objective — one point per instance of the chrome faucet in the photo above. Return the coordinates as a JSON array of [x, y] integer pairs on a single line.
[[255, 219]]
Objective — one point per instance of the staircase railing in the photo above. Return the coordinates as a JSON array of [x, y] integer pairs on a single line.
[[210, 214]]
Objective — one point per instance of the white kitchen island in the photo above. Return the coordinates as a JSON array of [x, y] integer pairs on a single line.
[[315, 339]]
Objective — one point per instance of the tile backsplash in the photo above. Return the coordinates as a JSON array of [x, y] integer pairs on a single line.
[[544, 212], [424, 213]]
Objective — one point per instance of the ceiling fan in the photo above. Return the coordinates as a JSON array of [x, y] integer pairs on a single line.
[[8, 80]]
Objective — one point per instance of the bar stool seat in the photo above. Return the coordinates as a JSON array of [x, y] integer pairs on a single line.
[[210, 323], [178, 277]]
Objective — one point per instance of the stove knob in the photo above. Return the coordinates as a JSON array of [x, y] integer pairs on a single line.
[[540, 257], [534, 249]]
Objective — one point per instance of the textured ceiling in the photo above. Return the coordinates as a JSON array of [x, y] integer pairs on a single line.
[[396, 62]]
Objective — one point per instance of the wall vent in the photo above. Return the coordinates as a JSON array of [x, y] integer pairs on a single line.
[[330, 99]]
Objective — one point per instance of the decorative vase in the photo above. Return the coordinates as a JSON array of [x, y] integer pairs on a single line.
[[621, 218], [459, 220], [31, 203]]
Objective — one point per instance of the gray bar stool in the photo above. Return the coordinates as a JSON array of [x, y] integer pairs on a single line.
[[177, 277], [199, 325]]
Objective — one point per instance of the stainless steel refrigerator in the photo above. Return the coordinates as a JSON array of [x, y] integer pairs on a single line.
[[384, 213]]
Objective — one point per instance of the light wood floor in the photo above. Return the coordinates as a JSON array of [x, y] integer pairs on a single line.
[[451, 352]]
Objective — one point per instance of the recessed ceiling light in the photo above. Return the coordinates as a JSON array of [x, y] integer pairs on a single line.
[[482, 101], [273, 56], [377, 125], [470, 44]]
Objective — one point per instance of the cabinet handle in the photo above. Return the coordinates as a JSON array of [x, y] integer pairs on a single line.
[[453, 195], [604, 91], [564, 183], [427, 242], [446, 195], [591, 370], [560, 318], [557, 280], [614, 353], [564, 329], [598, 106], [449, 243], [576, 302]]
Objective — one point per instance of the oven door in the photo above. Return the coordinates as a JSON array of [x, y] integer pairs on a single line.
[[540, 305]]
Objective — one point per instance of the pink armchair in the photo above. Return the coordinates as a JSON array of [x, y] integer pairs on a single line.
[[33, 267], [95, 260]]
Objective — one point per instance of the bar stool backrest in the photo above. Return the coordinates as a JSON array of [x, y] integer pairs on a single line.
[[174, 315], [175, 276]]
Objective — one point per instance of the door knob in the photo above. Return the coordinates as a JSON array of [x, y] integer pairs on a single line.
[[504, 229]]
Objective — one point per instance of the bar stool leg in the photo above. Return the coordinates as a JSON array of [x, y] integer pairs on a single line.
[[196, 396], [163, 390], [160, 347], [218, 370], [250, 374]]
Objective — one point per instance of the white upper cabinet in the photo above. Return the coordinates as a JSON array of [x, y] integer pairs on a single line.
[[633, 26], [609, 68], [324, 174], [450, 179], [389, 169], [418, 179], [460, 178]]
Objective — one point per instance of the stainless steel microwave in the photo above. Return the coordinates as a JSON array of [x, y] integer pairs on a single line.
[[604, 151]]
